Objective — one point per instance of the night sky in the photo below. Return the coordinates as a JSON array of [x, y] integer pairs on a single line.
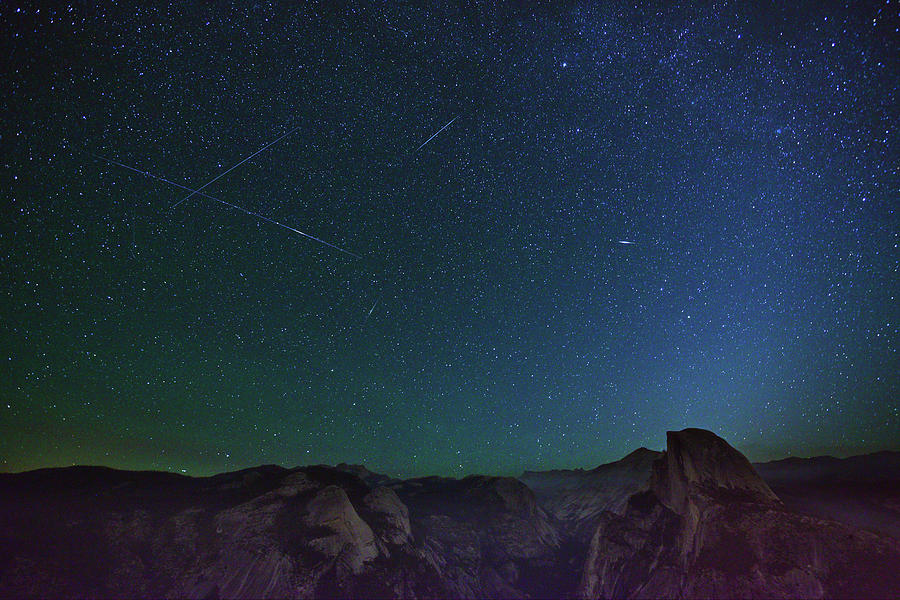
[[494, 319]]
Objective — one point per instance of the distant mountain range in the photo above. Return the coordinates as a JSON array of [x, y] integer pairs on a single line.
[[861, 491], [697, 520], [868, 468]]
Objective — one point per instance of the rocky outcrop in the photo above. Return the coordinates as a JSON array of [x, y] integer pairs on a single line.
[[347, 537], [708, 526], [269, 532], [632, 554], [695, 521], [389, 515]]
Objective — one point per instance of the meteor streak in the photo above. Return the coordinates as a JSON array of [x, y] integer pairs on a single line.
[[223, 174], [436, 133], [229, 204], [369, 314]]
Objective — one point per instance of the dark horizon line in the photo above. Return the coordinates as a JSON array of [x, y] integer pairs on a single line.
[[264, 465]]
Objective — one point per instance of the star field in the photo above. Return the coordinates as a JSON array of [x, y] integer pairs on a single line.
[[749, 153]]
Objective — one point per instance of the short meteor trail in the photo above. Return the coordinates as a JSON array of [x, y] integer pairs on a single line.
[[234, 206], [626, 242], [369, 314], [221, 175], [436, 133]]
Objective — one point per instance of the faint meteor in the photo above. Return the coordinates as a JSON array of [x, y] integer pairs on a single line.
[[436, 134], [369, 314], [626, 242], [229, 204], [221, 175]]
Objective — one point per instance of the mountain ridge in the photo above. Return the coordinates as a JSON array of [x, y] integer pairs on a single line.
[[350, 466], [695, 519]]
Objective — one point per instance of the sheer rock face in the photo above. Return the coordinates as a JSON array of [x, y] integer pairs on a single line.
[[697, 471], [699, 463], [710, 527]]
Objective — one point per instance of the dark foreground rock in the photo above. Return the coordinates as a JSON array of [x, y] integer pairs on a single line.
[[693, 521]]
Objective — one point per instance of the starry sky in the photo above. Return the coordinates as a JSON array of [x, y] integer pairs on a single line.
[[486, 315]]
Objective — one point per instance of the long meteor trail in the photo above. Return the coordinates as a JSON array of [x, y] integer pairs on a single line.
[[223, 174], [436, 133], [234, 206]]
